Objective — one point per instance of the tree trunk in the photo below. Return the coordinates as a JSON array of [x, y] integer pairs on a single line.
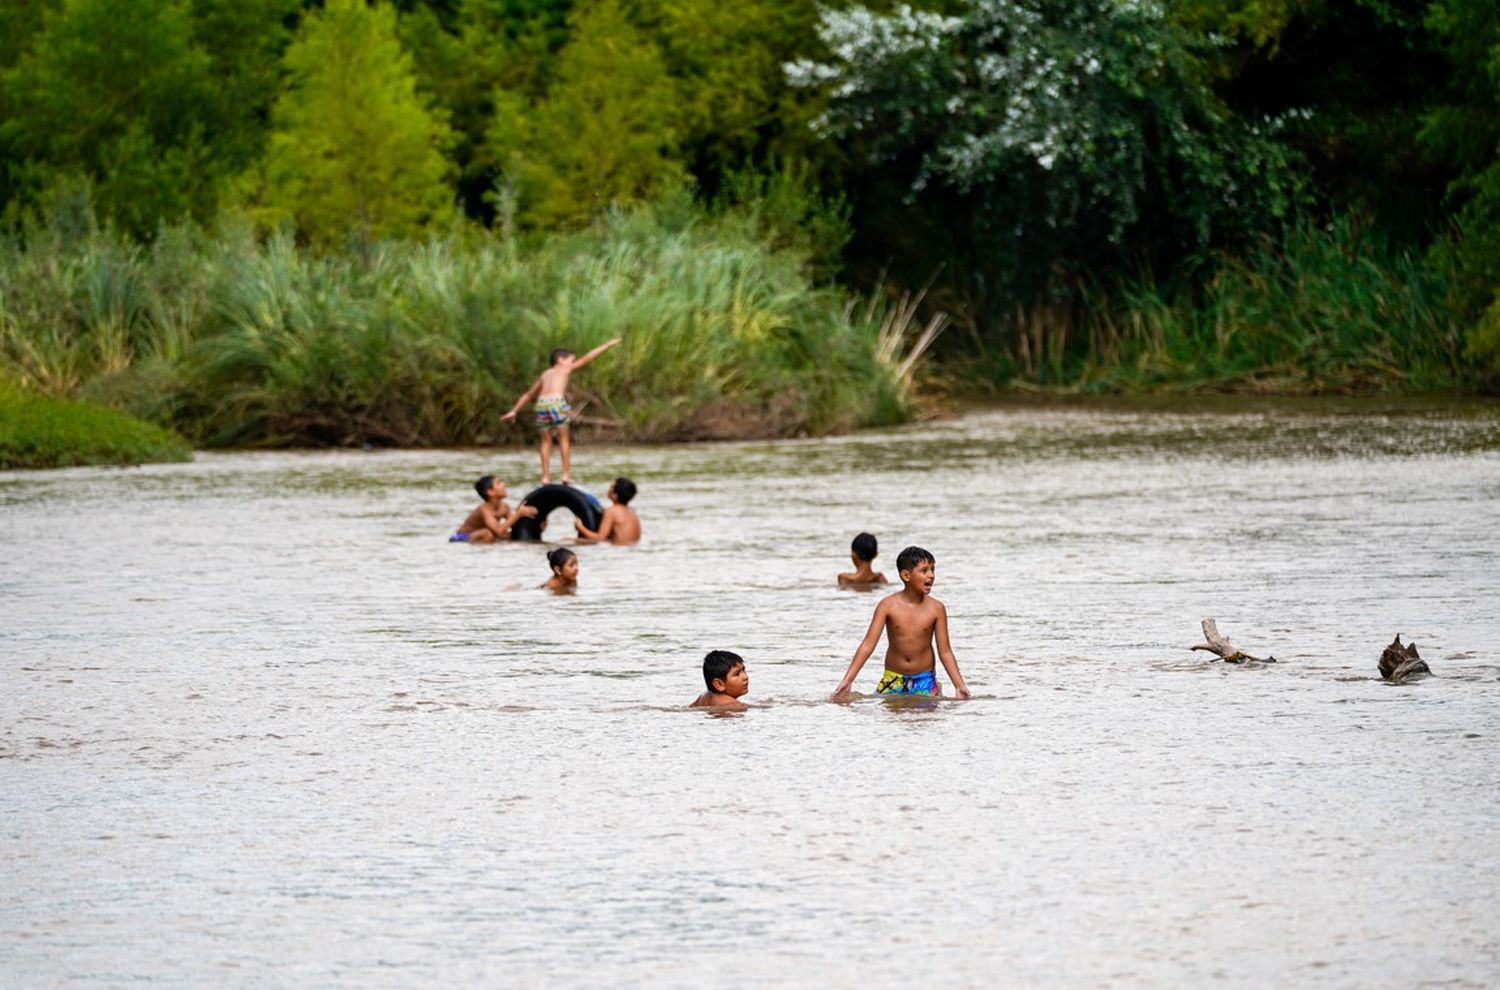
[[1398, 662]]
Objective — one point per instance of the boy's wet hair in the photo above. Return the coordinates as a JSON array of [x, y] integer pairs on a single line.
[[864, 547], [911, 557], [624, 490], [482, 486], [718, 664], [557, 354], [559, 557]]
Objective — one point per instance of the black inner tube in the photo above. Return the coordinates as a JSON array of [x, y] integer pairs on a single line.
[[549, 497]]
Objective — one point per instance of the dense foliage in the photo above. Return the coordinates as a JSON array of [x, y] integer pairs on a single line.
[[1047, 169], [1065, 136]]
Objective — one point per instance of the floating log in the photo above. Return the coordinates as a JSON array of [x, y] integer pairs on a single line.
[[1398, 662], [1220, 645]]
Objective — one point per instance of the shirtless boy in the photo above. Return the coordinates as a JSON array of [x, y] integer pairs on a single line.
[[492, 519], [911, 619], [552, 410], [619, 524], [724, 674], [863, 552]]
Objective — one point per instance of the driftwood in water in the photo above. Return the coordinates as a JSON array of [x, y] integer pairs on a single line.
[[1221, 646], [1398, 662]]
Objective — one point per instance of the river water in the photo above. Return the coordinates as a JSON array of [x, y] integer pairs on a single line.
[[262, 726]]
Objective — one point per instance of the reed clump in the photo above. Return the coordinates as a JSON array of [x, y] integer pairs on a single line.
[[1324, 308], [238, 340]]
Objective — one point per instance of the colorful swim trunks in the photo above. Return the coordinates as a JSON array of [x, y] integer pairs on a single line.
[[552, 412], [459, 538], [894, 683]]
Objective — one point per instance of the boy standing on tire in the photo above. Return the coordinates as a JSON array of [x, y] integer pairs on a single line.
[[553, 414]]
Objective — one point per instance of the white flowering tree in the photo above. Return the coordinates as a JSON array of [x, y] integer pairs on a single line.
[[1044, 138]]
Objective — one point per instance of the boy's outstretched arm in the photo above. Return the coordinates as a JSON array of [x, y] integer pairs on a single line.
[[866, 647], [526, 397], [945, 654], [595, 352]]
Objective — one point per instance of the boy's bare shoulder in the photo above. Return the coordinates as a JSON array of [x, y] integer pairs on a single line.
[[710, 700]]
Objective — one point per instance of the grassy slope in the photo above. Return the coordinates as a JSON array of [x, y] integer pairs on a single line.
[[40, 432]]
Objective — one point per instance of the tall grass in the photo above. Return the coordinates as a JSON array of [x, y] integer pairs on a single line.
[[238, 341], [1319, 308]]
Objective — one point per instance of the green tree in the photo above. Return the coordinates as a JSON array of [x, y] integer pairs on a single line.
[[466, 54], [1353, 79], [354, 150], [117, 92], [726, 59], [1032, 145], [244, 41], [20, 20], [605, 134], [1464, 130]]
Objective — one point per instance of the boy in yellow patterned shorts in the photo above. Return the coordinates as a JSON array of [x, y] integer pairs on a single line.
[[553, 414], [911, 620]]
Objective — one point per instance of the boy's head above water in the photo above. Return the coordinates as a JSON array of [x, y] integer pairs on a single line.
[[916, 567], [724, 673], [558, 353], [485, 485], [864, 547], [622, 491]]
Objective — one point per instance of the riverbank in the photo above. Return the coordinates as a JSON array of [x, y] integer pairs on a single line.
[[41, 432], [235, 341]]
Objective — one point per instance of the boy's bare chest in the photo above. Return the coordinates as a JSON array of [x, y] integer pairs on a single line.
[[912, 620]]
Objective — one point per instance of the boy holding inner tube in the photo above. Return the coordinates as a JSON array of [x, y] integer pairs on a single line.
[[911, 620], [492, 519], [619, 524]]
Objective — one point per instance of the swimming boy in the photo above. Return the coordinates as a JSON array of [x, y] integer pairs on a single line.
[[619, 524], [863, 552], [724, 674], [492, 519], [553, 414], [911, 620]]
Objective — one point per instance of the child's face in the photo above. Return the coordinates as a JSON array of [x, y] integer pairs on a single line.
[[736, 683], [569, 571], [920, 577], [498, 489]]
